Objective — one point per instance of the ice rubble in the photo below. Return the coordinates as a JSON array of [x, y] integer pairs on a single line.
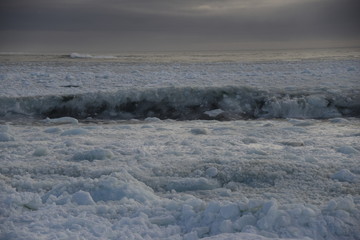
[[163, 182], [188, 103], [345, 175], [62, 178], [46, 78]]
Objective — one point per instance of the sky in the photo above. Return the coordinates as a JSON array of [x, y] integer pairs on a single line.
[[166, 25]]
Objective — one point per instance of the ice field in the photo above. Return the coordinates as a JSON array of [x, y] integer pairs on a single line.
[[200, 146]]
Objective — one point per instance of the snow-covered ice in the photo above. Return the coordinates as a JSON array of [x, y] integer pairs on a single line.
[[100, 148], [121, 179]]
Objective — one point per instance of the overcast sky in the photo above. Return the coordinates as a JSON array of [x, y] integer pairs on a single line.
[[129, 25]]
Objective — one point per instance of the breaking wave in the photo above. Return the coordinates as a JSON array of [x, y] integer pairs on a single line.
[[189, 103]]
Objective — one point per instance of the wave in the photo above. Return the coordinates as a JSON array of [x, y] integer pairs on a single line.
[[189, 103]]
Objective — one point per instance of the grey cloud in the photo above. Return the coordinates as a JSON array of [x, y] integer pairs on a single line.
[[194, 20]]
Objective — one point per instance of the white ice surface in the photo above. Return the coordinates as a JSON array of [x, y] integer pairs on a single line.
[[111, 88], [153, 179], [260, 179], [39, 78]]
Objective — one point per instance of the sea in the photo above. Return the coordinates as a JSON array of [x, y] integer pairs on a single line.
[[250, 144]]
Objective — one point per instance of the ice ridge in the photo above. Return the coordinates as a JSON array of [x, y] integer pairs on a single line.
[[189, 103]]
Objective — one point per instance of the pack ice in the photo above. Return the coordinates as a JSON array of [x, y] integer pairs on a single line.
[[259, 179]]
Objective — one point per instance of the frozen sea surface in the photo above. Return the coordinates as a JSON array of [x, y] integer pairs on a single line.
[[57, 75], [181, 87], [223, 146], [158, 179]]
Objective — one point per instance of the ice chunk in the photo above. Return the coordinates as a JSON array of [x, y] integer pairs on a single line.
[[344, 175], [152, 119], [199, 131], [78, 55], [302, 123], [226, 226], [40, 151], [347, 150], [114, 188], [318, 101], [249, 140], [34, 203], [82, 198], [339, 120], [292, 143], [211, 212], [5, 137], [295, 129], [244, 220], [62, 120], [211, 172], [229, 211], [52, 130], [342, 203], [270, 209], [96, 154], [89, 56], [163, 220], [311, 159], [76, 131], [191, 184], [4, 128], [346, 204], [191, 236], [214, 113], [256, 151]]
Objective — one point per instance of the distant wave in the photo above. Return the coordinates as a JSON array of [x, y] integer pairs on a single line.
[[189, 103]]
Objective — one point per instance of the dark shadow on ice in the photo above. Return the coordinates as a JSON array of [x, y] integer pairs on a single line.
[[190, 103]]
